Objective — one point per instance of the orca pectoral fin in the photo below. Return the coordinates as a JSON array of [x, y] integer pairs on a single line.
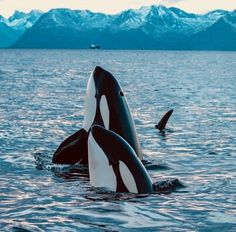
[[73, 150], [162, 124], [80, 133]]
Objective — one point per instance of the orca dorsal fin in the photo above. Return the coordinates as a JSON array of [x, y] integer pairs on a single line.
[[162, 124]]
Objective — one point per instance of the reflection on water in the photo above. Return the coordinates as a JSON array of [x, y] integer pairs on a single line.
[[41, 103]]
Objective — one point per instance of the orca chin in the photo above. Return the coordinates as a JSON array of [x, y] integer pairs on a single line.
[[162, 123], [113, 163], [105, 105]]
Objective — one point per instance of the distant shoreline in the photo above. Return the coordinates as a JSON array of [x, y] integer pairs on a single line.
[[104, 49]]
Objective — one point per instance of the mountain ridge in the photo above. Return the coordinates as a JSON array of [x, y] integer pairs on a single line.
[[149, 27], [13, 28]]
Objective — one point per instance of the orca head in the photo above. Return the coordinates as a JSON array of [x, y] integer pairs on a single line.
[[114, 164], [105, 105], [102, 92], [105, 83], [101, 173]]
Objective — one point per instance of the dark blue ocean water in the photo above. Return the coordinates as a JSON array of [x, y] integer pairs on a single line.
[[41, 103]]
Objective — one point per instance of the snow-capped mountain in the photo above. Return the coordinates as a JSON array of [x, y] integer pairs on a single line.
[[22, 21], [231, 18], [150, 27], [13, 27], [76, 19], [220, 36]]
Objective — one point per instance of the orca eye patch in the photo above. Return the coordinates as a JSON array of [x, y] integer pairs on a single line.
[[121, 94], [104, 109]]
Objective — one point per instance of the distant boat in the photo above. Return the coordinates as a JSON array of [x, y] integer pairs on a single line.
[[94, 46]]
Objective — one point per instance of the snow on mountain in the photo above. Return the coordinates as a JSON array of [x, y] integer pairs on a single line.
[[22, 21], [131, 19], [215, 15], [182, 14], [159, 20], [76, 19], [152, 27], [231, 18], [13, 27]]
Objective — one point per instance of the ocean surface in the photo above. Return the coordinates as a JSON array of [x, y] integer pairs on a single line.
[[41, 103]]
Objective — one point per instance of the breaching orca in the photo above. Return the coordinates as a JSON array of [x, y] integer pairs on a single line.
[[105, 105], [162, 124], [114, 165]]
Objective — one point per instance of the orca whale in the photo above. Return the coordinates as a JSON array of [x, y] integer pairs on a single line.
[[105, 105], [162, 123], [113, 163]]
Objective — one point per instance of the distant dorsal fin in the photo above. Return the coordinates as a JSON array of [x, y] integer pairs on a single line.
[[162, 124]]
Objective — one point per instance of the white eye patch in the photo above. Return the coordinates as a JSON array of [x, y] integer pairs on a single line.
[[127, 178], [104, 111]]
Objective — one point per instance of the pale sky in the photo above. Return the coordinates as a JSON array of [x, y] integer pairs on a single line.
[[7, 7]]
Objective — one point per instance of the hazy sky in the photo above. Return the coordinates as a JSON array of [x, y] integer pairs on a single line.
[[7, 7]]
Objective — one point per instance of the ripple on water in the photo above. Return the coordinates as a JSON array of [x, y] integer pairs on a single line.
[[41, 103]]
